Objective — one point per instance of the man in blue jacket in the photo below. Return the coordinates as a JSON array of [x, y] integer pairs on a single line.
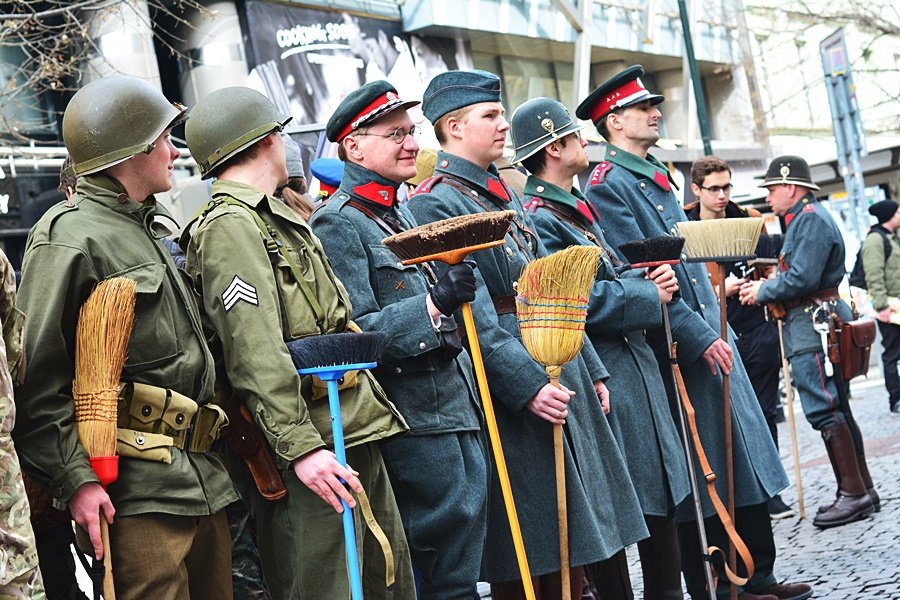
[[633, 194], [812, 260]]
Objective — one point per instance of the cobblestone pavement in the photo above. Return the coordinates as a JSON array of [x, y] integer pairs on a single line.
[[859, 561]]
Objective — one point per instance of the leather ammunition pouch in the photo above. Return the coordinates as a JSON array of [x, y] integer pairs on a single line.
[[852, 351], [153, 420]]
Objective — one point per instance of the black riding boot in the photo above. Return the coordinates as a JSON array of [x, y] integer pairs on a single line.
[[853, 501]]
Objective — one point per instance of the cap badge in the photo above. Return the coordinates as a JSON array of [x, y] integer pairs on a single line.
[[548, 125], [785, 171], [391, 96]]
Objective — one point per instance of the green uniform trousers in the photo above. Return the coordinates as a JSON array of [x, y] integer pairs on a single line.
[[171, 557], [301, 539]]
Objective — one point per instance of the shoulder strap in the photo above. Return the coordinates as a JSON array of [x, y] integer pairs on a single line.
[[273, 247]]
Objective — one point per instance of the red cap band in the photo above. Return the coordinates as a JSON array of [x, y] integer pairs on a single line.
[[612, 100], [371, 108]]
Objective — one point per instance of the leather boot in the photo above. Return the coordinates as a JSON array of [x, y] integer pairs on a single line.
[[853, 501], [867, 480], [661, 560], [837, 477]]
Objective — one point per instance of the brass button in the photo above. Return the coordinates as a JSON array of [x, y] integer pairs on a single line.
[[146, 410], [509, 251], [539, 189], [179, 418], [694, 280], [643, 186], [702, 306]]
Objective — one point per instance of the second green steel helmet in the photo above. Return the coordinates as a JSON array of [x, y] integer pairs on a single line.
[[227, 121], [111, 119], [538, 123]]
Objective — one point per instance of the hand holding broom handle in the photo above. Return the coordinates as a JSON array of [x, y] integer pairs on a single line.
[[551, 307], [101, 341], [329, 357], [450, 241]]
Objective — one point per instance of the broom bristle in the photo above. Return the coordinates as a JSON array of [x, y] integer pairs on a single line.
[[657, 249], [101, 343], [337, 349], [450, 234], [722, 240], [552, 300]]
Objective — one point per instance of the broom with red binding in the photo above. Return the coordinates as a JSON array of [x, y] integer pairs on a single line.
[[551, 306], [450, 241], [101, 342]]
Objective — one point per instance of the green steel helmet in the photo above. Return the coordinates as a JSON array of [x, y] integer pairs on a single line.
[[111, 119], [227, 121], [538, 123]]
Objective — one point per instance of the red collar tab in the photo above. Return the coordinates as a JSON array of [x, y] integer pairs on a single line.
[[629, 92], [599, 173], [585, 209], [377, 193], [498, 188], [376, 106], [790, 216], [662, 181], [533, 204]]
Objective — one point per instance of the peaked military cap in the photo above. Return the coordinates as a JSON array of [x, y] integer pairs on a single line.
[[362, 106], [536, 124], [621, 90], [453, 90], [789, 170]]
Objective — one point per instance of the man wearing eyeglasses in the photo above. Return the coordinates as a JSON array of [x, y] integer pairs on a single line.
[[438, 471], [757, 336]]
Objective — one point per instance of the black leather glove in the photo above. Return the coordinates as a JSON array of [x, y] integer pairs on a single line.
[[456, 286]]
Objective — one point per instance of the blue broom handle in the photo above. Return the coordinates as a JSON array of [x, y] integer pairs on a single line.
[[337, 432]]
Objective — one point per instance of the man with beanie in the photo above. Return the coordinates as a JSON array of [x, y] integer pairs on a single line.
[[881, 264], [548, 143], [812, 267], [604, 512], [264, 280], [438, 471], [632, 192]]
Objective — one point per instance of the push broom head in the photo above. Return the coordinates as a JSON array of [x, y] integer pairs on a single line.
[[653, 251], [337, 350], [101, 341], [720, 240], [450, 240], [552, 304]]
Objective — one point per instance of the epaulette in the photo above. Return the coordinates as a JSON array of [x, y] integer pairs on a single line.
[[533, 204], [598, 175], [426, 185], [809, 208]]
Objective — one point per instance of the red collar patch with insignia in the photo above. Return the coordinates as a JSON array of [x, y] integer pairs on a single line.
[[375, 192]]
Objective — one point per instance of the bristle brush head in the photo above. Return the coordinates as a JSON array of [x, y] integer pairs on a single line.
[[450, 234], [337, 349], [657, 250]]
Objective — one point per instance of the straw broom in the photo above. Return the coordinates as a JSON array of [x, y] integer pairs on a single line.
[[723, 241], [101, 341], [450, 241], [551, 307]]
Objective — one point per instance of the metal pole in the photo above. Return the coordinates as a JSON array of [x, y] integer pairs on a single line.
[[702, 116]]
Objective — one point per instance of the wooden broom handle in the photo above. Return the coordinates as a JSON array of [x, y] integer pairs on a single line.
[[562, 511], [789, 397], [499, 458], [729, 435], [109, 589]]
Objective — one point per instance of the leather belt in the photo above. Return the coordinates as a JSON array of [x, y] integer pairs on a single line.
[[504, 305], [818, 297]]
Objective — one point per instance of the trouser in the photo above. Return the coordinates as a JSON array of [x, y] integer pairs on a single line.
[[54, 548], [754, 526], [440, 482], [26, 586], [171, 557], [759, 349], [301, 540], [823, 403], [246, 572], [890, 341]]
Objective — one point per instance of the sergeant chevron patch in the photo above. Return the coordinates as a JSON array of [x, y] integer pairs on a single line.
[[239, 290]]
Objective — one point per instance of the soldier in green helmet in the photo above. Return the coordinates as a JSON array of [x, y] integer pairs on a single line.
[[170, 537], [265, 280]]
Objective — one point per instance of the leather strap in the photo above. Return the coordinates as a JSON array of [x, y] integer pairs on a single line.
[[366, 508], [387, 228], [710, 478], [504, 305], [818, 297]]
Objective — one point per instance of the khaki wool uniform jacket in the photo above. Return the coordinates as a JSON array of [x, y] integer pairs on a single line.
[[255, 307], [100, 234]]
